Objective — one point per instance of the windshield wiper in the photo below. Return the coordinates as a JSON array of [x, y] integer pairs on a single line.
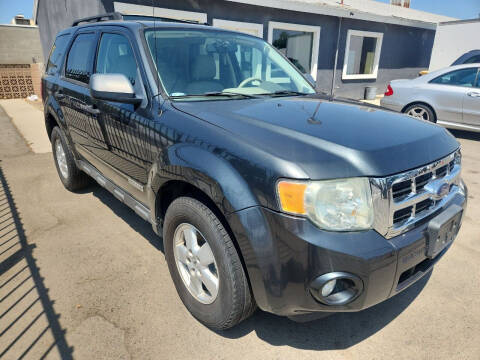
[[215, 94], [286, 92], [229, 93]]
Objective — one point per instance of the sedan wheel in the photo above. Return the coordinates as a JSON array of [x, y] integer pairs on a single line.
[[419, 112]]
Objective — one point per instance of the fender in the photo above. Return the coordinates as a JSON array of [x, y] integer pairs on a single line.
[[208, 172], [52, 108]]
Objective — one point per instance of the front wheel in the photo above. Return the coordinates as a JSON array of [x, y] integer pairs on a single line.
[[205, 266]]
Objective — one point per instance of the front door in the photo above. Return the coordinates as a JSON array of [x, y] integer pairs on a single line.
[[449, 92], [124, 124], [471, 105]]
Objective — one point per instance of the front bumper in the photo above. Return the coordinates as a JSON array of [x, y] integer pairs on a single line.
[[283, 255]]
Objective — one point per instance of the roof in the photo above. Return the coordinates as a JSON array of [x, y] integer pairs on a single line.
[[369, 10], [466, 21]]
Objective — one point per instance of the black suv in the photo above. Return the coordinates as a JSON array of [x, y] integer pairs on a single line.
[[266, 193]]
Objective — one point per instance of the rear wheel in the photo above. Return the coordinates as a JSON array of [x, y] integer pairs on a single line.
[[205, 266], [421, 111], [71, 176]]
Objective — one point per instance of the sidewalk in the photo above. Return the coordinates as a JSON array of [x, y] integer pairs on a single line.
[[29, 122]]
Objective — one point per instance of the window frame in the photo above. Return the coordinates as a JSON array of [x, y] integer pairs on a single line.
[[376, 59], [111, 32], [146, 91], [67, 54], [144, 10], [58, 67], [474, 86], [316, 30], [239, 25]]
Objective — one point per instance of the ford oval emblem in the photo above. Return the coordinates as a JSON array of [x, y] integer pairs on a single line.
[[442, 190], [438, 189]]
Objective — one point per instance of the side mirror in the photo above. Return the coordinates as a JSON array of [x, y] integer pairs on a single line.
[[310, 79], [113, 87]]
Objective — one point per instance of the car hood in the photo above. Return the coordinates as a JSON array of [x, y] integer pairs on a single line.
[[328, 139]]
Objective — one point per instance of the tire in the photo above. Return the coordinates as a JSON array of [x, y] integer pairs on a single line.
[[233, 301], [71, 176], [421, 111]]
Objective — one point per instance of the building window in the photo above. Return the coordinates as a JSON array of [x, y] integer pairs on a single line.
[[244, 27], [299, 43], [144, 10], [362, 55]]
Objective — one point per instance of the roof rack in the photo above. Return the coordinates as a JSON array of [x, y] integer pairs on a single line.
[[160, 18], [98, 18], [118, 16]]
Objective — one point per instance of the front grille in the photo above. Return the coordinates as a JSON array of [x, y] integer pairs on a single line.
[[401, 189], [402, 214], [422, 180], [423, 205], [403, 199], [442, 171]]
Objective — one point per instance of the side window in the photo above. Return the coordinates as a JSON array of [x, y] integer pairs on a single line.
[[473, 59], [115, 56], [462, 77], [79, 60], [56, 54]]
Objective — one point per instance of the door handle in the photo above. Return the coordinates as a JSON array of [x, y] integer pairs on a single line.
[[92, 109], [474, 94]]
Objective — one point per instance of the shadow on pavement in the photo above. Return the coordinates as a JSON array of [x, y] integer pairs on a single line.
[[338, 331], [20, 280], [467, 135], [126, 214]]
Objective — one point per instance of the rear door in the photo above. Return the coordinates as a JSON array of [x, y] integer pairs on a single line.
[[471, 104], [73, 91], [448, 92]]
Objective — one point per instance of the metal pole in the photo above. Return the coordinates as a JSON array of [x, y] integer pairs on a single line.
[[332, 91]]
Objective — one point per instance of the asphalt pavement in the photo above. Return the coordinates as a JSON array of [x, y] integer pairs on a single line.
[[83, 277]]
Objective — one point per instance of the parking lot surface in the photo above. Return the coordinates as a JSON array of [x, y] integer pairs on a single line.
[[82, 276]]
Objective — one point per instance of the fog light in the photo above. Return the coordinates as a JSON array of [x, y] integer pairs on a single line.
[[336, 288], [328, 287]]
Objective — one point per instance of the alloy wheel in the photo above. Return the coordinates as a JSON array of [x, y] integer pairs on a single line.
[[196, 263], [419, 113], [61, 158]]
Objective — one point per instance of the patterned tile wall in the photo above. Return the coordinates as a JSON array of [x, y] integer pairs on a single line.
[[15, 81]]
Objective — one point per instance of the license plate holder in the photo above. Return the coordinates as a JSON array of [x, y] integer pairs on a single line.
[[442, 230]]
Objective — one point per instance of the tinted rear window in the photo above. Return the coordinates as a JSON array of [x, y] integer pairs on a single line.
[[56, 53], [473, 59], [80, 58]]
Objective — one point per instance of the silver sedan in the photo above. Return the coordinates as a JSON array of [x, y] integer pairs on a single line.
[[449, 97]]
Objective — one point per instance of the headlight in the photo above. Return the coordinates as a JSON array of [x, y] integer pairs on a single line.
[[335, 205], [458, 157]]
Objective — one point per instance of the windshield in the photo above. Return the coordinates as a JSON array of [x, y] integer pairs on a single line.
[[199, 63]]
